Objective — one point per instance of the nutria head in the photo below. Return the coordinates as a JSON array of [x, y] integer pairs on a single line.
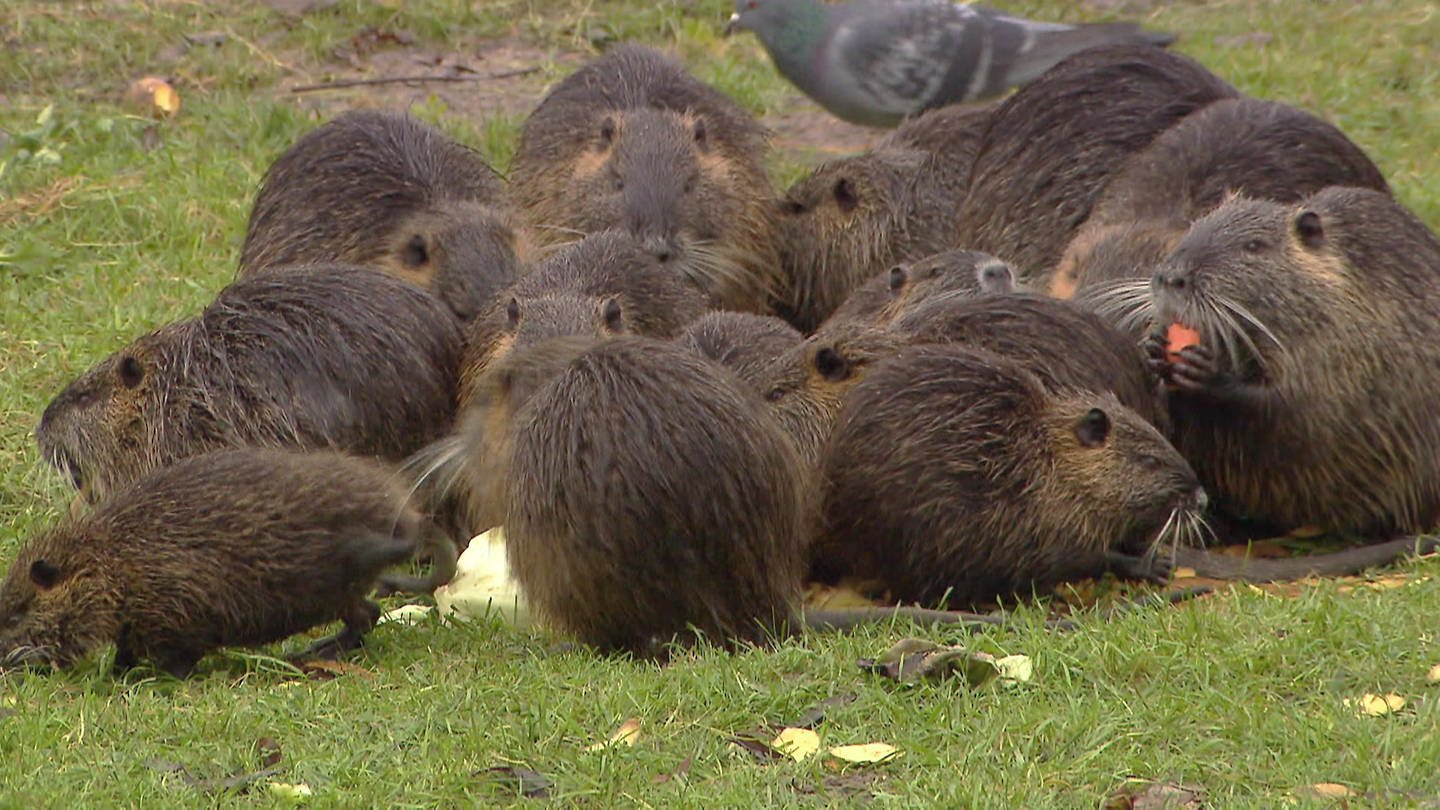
[[463, 252], [889, 295], [743, 342], [59, 601]]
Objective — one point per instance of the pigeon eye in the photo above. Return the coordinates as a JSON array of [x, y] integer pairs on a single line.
[[753, 4]]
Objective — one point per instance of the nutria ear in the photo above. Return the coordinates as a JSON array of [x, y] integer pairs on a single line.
[[131, 372], [831, 364], [607, 131], [845, 196], [897, 277], [1093, 428], [44, 575], [415, 252], [1309, 229], [791, 207], [613, 315], [512, 312], [702, 138]]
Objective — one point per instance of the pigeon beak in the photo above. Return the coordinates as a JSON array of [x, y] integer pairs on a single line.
[[732, 26]]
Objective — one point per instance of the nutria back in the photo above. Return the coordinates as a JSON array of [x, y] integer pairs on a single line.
[[633, 141], [319, 357], [649, 495], [855, 217], [902, 288], [1310, 399], [1049, 149], [1063, 345], [954, 474], [386, 190], [743, 342], [605, 284], [237, 547], [1262, 149]]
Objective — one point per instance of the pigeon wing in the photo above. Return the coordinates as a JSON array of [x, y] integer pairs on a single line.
[[906, 58]]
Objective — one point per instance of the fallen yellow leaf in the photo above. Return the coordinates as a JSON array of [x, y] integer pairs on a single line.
[[1183, 572], [1378, 705], [797, 743], [405, 614], [1015, 669], [866, 754], [296, 793], [626, 734], [154, 93], [1330, 790], [1433, 676]]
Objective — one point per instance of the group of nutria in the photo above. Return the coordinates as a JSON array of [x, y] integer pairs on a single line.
[[1087, 328]]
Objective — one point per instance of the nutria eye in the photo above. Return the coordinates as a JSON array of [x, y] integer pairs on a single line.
[[792, 207], [616, 181], [131, 372], [512, 312], [1093, 428], [775, 395], [613, 315], [690, 183], [1255, 246], [415, 253], [845, 195], [607, 131], [831, 365], [44, 575], [897, 277], [702, 139]]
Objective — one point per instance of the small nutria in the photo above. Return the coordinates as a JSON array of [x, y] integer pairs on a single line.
[[232, 548], [1101, 254], [1262, 149], [954, 475], [387, 191], [605, 284], [1062, 344], [743, 342], [647, 495], [884, 298], [633, 141], [1049, 149], [855, 217], [1308, 398], [324, 356]]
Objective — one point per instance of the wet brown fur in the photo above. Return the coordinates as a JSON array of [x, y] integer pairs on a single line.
[[902, 288], [318, 357], [743, 342], [954, 475], [1050, 148], [387, 191], [633, 141], [234, 548]]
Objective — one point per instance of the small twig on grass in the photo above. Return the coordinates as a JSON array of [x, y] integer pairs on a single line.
[[504, 74]]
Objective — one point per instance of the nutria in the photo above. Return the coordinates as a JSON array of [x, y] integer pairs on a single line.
[[325, 356], [955, 475], [1309, 398], [1059, 342], [633, 141], [1049, 149], [1262, 149], [1101, 254], [232, 548], [852, 218], [387, 191], [605, 284], [743, 342], [904, 287], [606, 531]]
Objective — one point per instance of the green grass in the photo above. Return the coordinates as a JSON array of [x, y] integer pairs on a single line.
[[108, 236]]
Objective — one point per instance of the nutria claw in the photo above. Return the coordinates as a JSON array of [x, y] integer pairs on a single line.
[[1195, 369], [1154, 345], [1157, 567]]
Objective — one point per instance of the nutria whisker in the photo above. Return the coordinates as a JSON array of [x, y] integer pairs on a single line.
[[1244, 314], [717, 265], [1126, 303]]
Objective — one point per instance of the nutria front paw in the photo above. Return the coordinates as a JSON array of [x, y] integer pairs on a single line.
[[1157, 567], [1156, 361], [1194, 369]]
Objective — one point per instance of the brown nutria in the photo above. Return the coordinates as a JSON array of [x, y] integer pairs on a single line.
[[633, 141], [232, 548], [605, 284], [1308, 398], [1100, 254], [903, 287], [1060, 343], [317, 357], [388, 191], [646, 493], [1262, 149], [954, 475], [853, 218], [1049, 149], [743, 342]]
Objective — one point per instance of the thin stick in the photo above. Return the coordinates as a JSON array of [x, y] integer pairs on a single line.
[[506, 74]]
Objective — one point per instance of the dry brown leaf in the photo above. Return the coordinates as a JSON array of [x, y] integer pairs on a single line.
[[815, 715], [1145, 795], [913, 659], [529, 784], [680, 772], [269, 752], [626, 734], [320, 669]]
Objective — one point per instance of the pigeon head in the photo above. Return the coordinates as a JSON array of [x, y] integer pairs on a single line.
[[789, 29]]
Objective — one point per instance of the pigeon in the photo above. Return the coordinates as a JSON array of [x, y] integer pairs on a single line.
[[878, 62]]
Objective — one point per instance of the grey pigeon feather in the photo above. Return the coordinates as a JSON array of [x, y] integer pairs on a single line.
[[878, 62]]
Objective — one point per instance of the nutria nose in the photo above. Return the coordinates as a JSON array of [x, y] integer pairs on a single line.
[[661, 248], [994, 275], [1200, 499]]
